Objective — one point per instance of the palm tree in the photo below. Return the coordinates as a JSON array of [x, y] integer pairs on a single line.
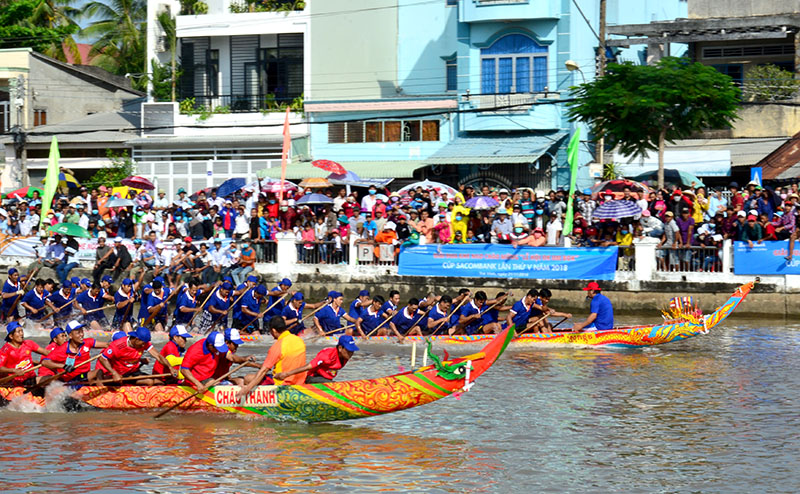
[[167, 23], [120, 34], [53, 14]]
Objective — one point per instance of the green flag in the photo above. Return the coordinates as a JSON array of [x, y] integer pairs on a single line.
[[572, 159], [50, 180]]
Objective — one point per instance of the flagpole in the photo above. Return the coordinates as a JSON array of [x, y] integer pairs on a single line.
[[287, 143]]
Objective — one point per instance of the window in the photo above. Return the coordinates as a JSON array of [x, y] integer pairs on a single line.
[[281, 69], [383, 131], [514, 63], [451, 3], [212, 72], [452, 74], [747, 51], [734, 70], [39, 117]]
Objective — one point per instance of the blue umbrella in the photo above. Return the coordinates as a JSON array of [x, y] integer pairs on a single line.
[[614, 210], [230, 186], [481, 202], [315, 199]]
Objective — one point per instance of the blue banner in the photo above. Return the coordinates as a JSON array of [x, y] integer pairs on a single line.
[[765, 258], [505, 261]]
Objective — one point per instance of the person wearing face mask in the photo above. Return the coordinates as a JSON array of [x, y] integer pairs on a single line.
[[369, 201], [459, 217]]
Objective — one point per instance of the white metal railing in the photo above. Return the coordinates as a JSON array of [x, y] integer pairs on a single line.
[[510, 102]]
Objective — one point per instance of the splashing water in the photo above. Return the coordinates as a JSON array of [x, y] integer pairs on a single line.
[[55, 399]]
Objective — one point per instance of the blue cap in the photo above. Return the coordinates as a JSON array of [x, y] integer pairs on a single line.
[[232, 335], [363, 293], [66, 284], [227, 286], [261, 290], [286, 281], [108, 279], [227, 278], [348, 343], [117, 335], [73, 325], [13, 325], [86, 281], [159, 278], [588, 192], [343, 219], [12, 271], [179, 330], [141, 333], [252, 278], [334, 294], [297, 296], [127, 281], [218, 341], [137, 240], [75, 280], [55, 332]]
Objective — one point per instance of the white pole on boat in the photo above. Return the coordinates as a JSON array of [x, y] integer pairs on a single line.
[[425, 356], [413, 354]]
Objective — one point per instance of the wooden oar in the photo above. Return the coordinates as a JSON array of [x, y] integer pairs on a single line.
[[381, 324], [337, 330], [19, 297], [165, 302], [47, 380], [125, 378], [301, 321], [558, 323], [200, 391], [57, 310], [11, 377], [202, 305], [448, 316], [532, 324]]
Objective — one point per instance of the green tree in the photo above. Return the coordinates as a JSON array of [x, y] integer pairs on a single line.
[[639, 108], [120, 34], [167, 23], [769, 83], [54, 14], [18, 30], [121, 166], [161, 77]]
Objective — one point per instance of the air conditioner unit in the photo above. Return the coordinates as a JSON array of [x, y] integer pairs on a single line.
[[158, 118], [161, 44]]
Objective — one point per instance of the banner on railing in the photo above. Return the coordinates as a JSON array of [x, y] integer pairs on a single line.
[[765, 258], [505, 261]]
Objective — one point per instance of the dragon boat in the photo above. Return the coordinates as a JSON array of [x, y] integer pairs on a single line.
[[302, 402]]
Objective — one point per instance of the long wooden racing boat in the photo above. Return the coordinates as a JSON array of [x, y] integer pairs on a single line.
[[682, 327], [304, 402]]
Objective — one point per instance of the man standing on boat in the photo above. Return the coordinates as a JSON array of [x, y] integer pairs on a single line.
[[601, 315], [286, 354]]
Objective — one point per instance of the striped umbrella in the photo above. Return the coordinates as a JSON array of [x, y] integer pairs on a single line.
[[614, 210], [66, 180], [482, 203]]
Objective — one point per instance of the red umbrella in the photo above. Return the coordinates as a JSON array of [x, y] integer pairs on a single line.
[[330, 166], [137, 182]]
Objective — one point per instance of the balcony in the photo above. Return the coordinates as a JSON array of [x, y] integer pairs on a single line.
[[511, 111], [506, 10]]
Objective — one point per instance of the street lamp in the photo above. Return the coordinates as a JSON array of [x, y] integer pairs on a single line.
[[572, 66]]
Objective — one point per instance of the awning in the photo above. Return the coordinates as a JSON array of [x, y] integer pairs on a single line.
[[364, 169], [486, 150]]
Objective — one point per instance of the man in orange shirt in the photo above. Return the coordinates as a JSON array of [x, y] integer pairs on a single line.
[[287, 353]]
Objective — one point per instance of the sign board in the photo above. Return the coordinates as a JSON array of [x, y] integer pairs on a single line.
[[756, 174]]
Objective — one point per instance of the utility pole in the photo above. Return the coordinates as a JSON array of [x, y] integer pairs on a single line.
[[601, 70], [20, 137]]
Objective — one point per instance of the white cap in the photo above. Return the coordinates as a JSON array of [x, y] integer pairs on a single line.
[[540, 194], [180, 330], [177, 241], [503, 191], [741, 213], [116, 240], [389, 225]]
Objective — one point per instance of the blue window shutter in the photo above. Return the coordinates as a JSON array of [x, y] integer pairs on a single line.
[[505, 71], [488, 76], [539, 73], [514, 44], [523, 75]]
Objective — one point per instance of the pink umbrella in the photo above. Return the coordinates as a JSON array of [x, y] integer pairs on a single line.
[[273, 187], [330, 166], [137, 182]]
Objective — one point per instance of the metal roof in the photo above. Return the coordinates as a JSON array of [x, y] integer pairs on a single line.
[[364, 169]]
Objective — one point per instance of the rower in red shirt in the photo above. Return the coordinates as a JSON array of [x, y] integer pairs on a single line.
[[173, 351], [70, 358], [233, 339], [15, 356], [327, 363], [123, 357], [57, 338], [202, 358]]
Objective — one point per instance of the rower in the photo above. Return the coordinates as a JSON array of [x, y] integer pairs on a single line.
[[469, 319], [328, 320], [245, 312], [12, 290], [71, 356], [57, 338], [275, 295], [60, 303], [601, 315], [202, 358], [250, 282], [15, 356], [371, 318], [173, 351], [156, 304], [359, 305], [327, 363], [406, 322], [105, 283], [34, 301], [90, 300], [544, 299], [233, 339], [389, 308], [287, 353], [434, 324], [293, 312], [215, 311], [520, 312], [146, 291], [123, 303], [186, 306], [123, 358], [490, 317]]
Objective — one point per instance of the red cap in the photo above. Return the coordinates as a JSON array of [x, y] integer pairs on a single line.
[[751, 218], [592, 286], [187, 239]]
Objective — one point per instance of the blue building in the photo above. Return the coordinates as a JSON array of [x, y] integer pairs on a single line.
[[467, 91]]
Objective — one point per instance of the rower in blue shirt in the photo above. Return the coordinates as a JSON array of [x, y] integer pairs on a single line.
[[438, 321], [328, 319], [60, 302], [12, 291], [124, 299], [406, 322], [469, 320], [389, 308], [293, 312], [521, 312], [360, 304], [90, 300], [157, 304], [186, 304], [34, 301], [215, 311], [601, 315], [245, 313], [146, 291], [370, 318]]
